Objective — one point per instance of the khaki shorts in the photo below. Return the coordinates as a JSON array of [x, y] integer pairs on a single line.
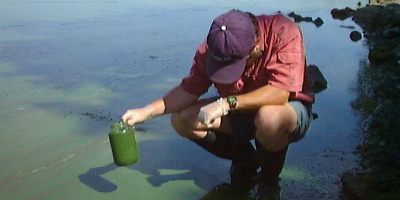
[[244, 129]]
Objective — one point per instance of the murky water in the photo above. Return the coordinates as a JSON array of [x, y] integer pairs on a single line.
[[69, 69]]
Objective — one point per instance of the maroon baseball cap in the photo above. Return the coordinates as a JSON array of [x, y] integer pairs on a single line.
[[230, 40]]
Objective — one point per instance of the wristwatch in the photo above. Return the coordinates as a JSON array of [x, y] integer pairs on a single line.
[[232, 101]]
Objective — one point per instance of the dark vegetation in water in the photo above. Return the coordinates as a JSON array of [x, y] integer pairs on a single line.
[[98, 115], [378, 100]]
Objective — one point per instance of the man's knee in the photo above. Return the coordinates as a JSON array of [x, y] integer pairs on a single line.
[[177, 121], [273, 125], [268, 119], [183, 123], [174, 119]]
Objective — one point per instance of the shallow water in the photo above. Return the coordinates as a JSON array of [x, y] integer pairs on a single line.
[[69, 69]]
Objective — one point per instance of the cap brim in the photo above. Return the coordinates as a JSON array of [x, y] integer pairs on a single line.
[[225, 72]]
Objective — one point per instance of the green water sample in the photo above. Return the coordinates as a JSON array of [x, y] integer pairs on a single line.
[[123, 144]]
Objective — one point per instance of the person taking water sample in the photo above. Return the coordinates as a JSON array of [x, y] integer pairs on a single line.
[[257, 64]]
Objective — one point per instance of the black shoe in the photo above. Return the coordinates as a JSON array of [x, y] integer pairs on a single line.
[[226, 191], [243, 173], [268, 191]]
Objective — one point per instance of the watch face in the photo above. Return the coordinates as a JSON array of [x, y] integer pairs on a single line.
[[231, 101]]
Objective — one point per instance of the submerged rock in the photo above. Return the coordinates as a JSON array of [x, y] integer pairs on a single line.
[[318, 22], [355, 36], [317, 80], [298, 18], [342, 14]]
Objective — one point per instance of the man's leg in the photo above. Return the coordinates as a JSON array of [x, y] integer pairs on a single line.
[[244, 165], [218, 140], [277, 127], [185, 121], [274, 125]]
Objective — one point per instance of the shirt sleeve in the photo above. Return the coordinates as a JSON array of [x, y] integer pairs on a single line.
[[197, 82], [287, 65]]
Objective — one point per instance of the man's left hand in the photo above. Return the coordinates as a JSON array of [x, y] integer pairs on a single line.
[[212, 111]]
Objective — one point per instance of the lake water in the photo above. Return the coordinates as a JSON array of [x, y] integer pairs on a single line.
[[69, 69]]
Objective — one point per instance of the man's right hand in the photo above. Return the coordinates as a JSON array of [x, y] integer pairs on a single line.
[[137, 116]]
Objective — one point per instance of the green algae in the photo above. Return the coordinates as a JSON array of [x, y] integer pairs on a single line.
[[123, 144]]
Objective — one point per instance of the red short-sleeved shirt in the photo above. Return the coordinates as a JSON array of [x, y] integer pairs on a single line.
[[282, 64]]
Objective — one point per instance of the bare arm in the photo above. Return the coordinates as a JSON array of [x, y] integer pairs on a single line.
[[266, 95], [178, 99], [175, 100]]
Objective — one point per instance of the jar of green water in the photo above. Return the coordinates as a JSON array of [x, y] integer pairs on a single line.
[[123, 144]]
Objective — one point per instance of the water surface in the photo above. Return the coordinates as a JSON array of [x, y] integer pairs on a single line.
[[69, 69]]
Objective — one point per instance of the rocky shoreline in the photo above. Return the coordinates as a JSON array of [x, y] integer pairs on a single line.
[[379, 101]]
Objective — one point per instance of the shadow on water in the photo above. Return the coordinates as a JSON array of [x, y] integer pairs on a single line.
[[180, 157], [93, 179], [204, 174]]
